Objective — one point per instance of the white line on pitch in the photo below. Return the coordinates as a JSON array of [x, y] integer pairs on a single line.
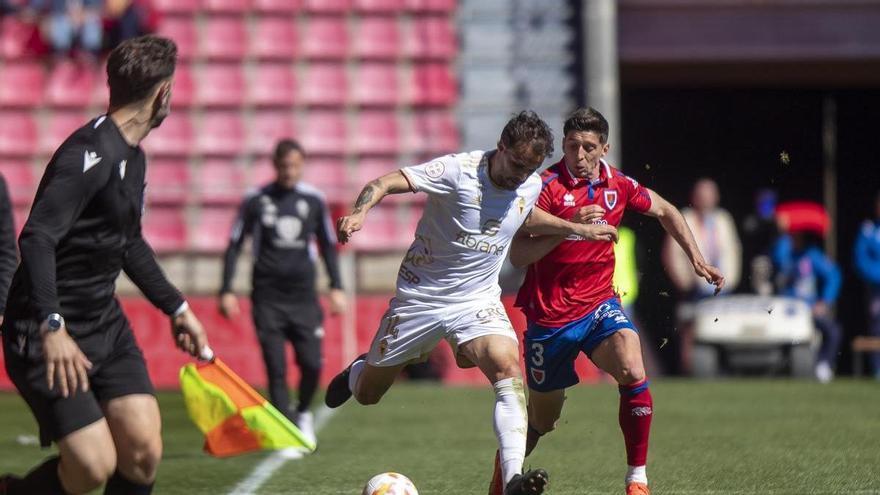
[[268, 466]]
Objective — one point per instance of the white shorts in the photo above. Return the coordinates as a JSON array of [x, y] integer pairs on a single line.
[[411, 330]]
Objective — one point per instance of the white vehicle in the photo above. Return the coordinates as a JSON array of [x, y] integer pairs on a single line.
[[754, 334]]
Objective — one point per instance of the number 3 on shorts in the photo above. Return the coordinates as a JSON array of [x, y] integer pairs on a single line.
[[537, 354]]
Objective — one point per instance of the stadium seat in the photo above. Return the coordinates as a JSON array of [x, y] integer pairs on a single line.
[[324, 85], [274, 37], [272, 85], [330, 176], [434, 6], [58, 127], [211, 232], [376, 134], [220, 134], [20, 181], [224, 38], [173, 138], [261, 174], [16, 38], [220, 85], [375, 84], [183, 31], [325, 38], [70, 85], [227, 6], [431, 38], [267, 128], [277, 6], [177, 6], [324, 133], [431, 84], [378, 6], [183, 91], [164, 229], [168, 181], [384, 232], [18, 134], [219, 182], [434, 133], [376, 38], [327, 6], [22, 84]]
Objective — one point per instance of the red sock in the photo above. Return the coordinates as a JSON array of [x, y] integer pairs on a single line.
[[636, 411]]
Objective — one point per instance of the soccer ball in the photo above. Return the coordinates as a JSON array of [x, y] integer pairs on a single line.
[[390, 484]]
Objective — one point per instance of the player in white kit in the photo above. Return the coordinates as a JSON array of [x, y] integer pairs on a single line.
[[447, 285]]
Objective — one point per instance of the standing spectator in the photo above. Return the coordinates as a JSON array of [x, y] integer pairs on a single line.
[[73, 22], [284, 217], [8, 255], [867, 259], [759, 232], [715, 233], [805, 272]]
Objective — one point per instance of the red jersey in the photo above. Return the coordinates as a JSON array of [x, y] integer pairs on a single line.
[[573, 278]]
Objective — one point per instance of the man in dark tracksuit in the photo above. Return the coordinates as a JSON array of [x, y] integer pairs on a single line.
[[8, 255], [68, 346], [283, 217]]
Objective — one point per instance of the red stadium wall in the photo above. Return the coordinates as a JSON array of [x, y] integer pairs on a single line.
[[237, 345]]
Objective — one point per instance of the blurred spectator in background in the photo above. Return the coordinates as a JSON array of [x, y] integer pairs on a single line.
[[806, 273], [715, 233], [124, 19], [867, 260], [8, 254], [759, 231], [72, 23]]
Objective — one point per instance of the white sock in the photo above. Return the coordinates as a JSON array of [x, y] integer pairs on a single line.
[[357, 368], [510, 426], [637, 474]]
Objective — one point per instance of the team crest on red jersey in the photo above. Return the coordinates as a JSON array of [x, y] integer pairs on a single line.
[[611, 198], [538, 375]]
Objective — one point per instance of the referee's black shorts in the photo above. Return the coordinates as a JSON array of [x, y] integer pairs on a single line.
[[118, 369]]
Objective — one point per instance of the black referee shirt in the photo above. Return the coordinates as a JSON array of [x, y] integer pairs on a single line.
[[84, 227], [8, 256]]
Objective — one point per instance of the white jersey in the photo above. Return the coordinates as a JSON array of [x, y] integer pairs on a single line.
[[465, 230]]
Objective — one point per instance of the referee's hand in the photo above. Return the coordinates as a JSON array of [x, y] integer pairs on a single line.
[[189, 334], [66, 365]]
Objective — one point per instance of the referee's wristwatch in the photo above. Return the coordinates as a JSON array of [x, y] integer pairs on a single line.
[[53, 323]]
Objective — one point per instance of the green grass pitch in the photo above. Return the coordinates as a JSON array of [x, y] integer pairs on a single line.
[[737, 437]]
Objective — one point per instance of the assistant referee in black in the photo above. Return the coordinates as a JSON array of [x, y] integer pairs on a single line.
[[69, 348], [283, 218]]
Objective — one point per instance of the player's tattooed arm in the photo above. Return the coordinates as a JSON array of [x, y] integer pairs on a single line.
[[676, 226], [371, 194]]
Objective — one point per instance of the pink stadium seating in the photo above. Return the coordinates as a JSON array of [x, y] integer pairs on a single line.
[[385, 231], [70, 85], [325, 38], [324, 133], [20, 180], [173, 138], [219, 182], [221, 85], [376, 38], [324, 85], [183, 31], [266, 128], [177, 6], [376, 134], [224, 38], [58, 127], [272, 85], [277, 6], [375, 85], [327, 6], [221, 134], [22, 84], [227, 6], [432, 84], [167, 181], [18, 134], [378, 6], [165, 229], [261, 174], [20, 215], [438, 6], [330, 177], [274, 37], [211, 232], [16, 38], [431, 38], [434, 133]]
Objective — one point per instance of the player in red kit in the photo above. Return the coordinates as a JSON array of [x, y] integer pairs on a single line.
[[568, 297]]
